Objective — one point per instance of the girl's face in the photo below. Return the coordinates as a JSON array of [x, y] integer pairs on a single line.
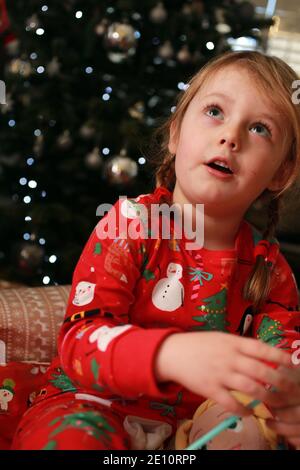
[[229, 121]]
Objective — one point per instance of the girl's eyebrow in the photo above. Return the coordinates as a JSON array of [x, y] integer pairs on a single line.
[[219, 95], [260, 116]]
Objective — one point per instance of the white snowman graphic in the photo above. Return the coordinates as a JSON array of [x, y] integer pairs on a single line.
[[168, 293], [84, 293]]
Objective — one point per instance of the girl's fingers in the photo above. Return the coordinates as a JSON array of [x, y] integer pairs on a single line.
[[284, 429], [241, 383], [257, 349], [295, 442], [288, 415], [279, 399], [266, 374], [291, 373], [225, 399]]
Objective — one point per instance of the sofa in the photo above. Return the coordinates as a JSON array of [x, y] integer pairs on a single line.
[[30, 318]]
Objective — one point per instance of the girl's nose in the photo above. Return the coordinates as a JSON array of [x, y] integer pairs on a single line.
[[230, 142], [230, 137]]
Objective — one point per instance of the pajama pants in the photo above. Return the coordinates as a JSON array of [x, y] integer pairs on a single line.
[[68, 422]]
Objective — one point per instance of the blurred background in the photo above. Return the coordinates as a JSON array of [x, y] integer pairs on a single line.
[[86, 84]]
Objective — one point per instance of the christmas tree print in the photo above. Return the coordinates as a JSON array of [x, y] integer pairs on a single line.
[[90, 421], [98, 249], [95, 367], [214, 313], [62, 381], [148, 275], [216, 303], [212, 321], [167, 408], [51, 445], [270, 331]]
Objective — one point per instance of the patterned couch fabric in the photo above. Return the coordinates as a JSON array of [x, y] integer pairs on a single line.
[[29, 321]]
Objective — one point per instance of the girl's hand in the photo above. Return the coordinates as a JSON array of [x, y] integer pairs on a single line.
[[285, 407], [212, 364]]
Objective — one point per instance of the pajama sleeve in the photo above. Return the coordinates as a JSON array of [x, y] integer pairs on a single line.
[[278, 324], [99, 348]]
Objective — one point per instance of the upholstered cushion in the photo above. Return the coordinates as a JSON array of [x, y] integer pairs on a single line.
[[29, 321]]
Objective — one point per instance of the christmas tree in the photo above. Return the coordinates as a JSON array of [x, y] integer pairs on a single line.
[[87, 85], [213, 313], [270, 331]]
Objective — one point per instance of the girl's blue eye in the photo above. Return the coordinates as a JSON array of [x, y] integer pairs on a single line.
[[213, 111], [264, 130]]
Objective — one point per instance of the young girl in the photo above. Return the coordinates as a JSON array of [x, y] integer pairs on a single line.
[[153, 328]]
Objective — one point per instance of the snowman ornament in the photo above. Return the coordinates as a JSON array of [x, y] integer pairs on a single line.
[[168, 293]]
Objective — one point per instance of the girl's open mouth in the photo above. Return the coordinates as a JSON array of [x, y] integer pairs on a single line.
[[220, 167], [219, 171]]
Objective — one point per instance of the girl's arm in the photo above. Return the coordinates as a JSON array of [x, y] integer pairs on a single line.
[[99, 348]]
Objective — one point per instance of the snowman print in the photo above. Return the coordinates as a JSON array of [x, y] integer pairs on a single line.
[[84, 293], [6, 393], [168, 293]]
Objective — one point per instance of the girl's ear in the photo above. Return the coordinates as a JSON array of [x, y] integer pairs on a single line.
[[173, 139]]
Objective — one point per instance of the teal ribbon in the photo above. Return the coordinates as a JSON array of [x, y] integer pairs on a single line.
[[199, 275], [225, 424]]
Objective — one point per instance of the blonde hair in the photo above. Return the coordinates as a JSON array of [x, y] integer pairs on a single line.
[[275, 78], [260, 411]]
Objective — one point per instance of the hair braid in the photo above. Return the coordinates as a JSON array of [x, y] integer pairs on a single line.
[[166, 173], [273, 217], [257, 287]]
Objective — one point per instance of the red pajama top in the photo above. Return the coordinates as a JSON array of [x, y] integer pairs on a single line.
[[129, 293]]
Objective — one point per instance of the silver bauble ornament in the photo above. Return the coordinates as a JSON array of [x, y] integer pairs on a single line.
[[120, 41], [120, 170]]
